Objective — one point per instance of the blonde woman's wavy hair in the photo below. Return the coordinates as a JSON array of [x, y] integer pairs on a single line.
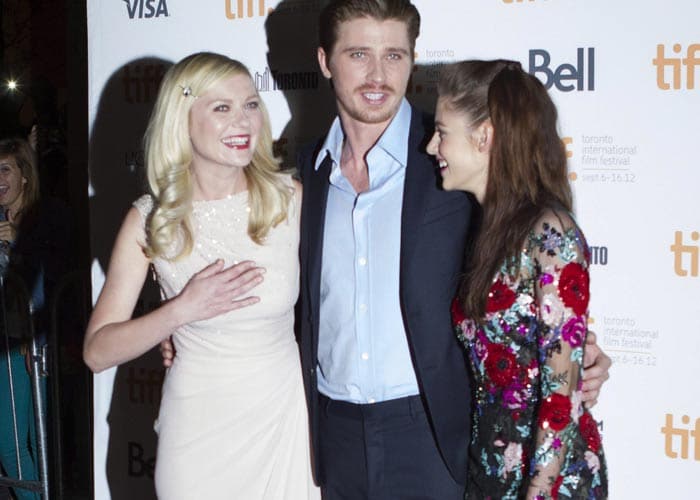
[[169, 157]]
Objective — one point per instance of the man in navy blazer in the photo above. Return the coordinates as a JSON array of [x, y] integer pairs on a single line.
[[381, 252], [434, 226], [382, 248]]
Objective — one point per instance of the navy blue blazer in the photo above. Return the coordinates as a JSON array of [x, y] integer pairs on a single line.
[[434, 227]]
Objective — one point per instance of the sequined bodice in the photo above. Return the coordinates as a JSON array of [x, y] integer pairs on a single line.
[[220, 232]]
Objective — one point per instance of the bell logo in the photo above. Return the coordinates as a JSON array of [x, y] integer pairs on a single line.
[[684, 433], [690, 61], [140, 465], [680, 249], [583, 74], [146, 8], [245, 8]]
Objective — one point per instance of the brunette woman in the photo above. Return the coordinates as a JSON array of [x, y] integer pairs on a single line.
[[522, 308]]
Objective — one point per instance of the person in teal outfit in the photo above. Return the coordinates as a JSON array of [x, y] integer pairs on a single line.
[[25, 416], [18, 194]]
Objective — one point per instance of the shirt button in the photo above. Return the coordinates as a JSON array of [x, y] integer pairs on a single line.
[[371, 400], [362, 261], [363, 307], [365, 356]]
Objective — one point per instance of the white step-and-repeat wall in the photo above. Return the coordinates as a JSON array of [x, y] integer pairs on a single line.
[[626, 78]]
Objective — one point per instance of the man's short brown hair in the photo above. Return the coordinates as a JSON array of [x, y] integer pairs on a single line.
[[340, 11]]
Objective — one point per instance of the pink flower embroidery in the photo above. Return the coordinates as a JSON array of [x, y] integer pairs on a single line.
[[574, 331], [513, 456], [593, 461]]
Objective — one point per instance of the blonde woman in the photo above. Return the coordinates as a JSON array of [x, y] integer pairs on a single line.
[[233, 420]]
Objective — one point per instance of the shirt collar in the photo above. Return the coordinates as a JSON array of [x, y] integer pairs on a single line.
[[394, 140]]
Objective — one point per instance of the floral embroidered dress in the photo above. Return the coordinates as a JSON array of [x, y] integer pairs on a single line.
[[532, 437]]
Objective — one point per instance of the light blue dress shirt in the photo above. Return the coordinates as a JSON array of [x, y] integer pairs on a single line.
[[363, 354]]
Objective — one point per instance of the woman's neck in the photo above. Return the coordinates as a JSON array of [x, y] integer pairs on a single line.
[[215, 185], [14, 211]]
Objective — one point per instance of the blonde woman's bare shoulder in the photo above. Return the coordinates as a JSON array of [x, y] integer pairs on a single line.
[[134, 225], [144, 205]]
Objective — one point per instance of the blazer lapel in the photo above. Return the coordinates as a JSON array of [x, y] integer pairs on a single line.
[[315, 199], [420, 175]]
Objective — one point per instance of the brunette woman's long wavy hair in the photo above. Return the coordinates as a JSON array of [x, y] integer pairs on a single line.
[[527, 171]]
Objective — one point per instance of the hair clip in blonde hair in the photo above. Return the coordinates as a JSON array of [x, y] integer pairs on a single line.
[[187, 91]]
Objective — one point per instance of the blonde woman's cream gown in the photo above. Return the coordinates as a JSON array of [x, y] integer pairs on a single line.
[[233, 422]]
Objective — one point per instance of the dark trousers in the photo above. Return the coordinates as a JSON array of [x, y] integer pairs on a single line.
[[381, 451]]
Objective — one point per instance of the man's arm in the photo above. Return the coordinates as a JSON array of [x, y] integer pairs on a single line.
[[596, 370]]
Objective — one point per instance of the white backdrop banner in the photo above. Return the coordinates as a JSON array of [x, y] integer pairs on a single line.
[[625, 76]]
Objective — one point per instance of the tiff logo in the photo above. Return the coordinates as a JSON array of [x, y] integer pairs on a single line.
[[144, 385], [245, 8], [146, 8], [680, 249], [568, 141], [684, 433], [141, 81], [565, 77], [690, 61]]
